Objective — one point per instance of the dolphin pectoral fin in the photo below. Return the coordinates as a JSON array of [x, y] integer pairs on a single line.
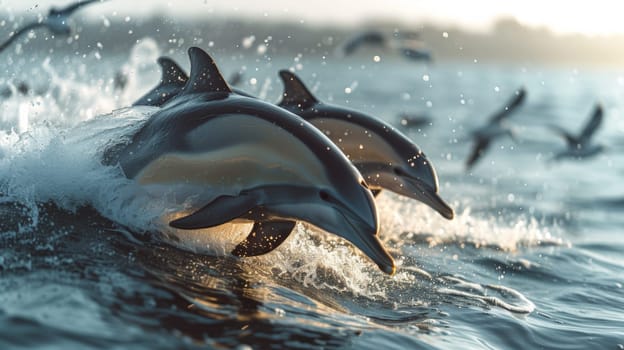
[[375, 193], [264, 237], [217, 212]]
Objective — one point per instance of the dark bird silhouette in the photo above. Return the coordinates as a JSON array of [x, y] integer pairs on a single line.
[[581, 146], [370, 38], [120, 80], [414, 120], [496, 127], [56, 21], [236, 78], [407, 44], [416, 54]]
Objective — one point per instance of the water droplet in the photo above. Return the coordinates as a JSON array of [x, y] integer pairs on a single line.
[[248, 41], [261, 49]]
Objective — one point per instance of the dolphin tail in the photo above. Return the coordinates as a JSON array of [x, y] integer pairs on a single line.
[[264, 237]]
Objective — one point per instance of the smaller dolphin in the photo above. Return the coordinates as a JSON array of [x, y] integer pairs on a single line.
[[581, 146], [242, 158], [386, 158], [171, 83], [496, 127], [56, 21]]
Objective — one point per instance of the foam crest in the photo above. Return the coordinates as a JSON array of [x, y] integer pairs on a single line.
[[403, 219], [321, 260], [64, 165]]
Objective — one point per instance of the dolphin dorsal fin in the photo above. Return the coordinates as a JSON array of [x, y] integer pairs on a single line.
[[205, 76], [295, 92], [171, 72]]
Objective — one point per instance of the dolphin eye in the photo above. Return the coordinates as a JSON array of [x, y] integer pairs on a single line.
[[324, 195], [398, 171]]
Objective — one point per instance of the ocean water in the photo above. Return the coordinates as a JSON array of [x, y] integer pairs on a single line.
[[533, 259]]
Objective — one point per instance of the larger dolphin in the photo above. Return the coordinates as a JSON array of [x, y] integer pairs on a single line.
[[249, 159]]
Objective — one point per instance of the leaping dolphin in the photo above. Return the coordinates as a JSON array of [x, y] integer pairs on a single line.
[[247, 159], [56, 21], [581, 146], [386, 158], [496, 127]]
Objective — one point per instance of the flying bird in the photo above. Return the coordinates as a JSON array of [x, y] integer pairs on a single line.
[[409, 121], [56, 21], [368, 38], [496, 127], [407, 44], [581, 145]]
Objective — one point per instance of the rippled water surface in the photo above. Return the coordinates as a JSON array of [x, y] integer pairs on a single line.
[[533, 259]]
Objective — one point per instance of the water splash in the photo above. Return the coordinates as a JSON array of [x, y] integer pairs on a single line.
[[403, 219]]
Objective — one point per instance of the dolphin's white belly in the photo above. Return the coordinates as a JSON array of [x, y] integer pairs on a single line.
[[234, 152], [356, 142]]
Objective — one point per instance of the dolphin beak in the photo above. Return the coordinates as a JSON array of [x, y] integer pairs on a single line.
[[363, 234], [367, 241], [417, 189], [353, 218], [430, 197]]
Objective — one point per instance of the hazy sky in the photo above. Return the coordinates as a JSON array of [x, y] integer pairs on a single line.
[[589, 17]]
